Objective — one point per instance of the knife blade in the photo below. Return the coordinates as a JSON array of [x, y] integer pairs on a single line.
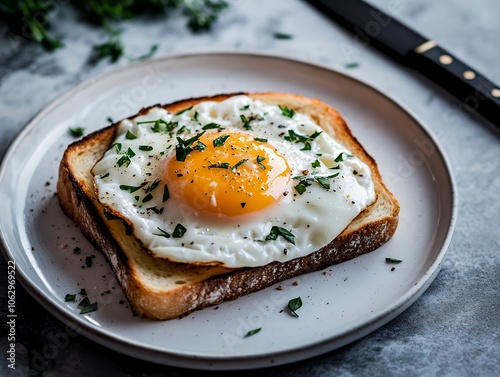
[[476, 94]]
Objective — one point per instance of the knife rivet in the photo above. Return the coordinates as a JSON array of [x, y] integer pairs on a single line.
[[469, 75], [446, 59], [495, 92]]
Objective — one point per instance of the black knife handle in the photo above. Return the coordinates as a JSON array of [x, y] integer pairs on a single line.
[[475, 92]]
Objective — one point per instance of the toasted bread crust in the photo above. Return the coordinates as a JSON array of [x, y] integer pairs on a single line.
[[197, 287]]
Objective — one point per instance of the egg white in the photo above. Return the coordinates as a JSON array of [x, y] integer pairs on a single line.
[[315, 218]]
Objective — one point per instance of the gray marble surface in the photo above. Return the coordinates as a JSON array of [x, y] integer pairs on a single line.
[[454, 328]]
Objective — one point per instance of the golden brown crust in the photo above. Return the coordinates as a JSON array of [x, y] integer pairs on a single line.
[[194, 287]]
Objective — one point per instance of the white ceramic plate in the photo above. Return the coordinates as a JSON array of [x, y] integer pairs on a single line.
[[340, 304]]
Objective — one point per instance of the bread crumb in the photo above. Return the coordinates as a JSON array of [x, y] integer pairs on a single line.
[[296, 282], [279, 288]]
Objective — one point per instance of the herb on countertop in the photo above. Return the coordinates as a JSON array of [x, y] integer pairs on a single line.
[[32, 19]]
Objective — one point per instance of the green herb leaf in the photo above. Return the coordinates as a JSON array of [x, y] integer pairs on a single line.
[[84, 302], [130, 152], [307, 146], [166, 194], [184, 147], [69, 297], [316, 164], [89, 308], [253, 332], [282, 36], [162, 234], [132, 189], [124, 160], [286, 111], [239, 163], [259, 139], [352, 65], [244, 108], [279, 231], [323, 182], [179, 231], [145, 148], [341, 155], [259, 162], [211, 126], [294, 305], [246, 122], [130, 135], [393, 260], [110, 120], [118, 147], [220, 140], [220, 165], [77, 131], [147, 198]]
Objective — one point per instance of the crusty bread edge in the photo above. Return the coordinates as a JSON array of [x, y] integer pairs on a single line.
[[183, 299]]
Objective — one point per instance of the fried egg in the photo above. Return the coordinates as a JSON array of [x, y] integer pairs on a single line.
[[240, 183]]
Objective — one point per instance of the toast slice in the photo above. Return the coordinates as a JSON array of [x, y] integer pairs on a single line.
[[160, 289]]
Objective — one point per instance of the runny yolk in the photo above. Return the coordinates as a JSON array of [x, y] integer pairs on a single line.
[[234, 175]]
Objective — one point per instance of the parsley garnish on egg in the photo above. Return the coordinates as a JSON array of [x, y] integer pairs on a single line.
[[279, 231], [286, 111], [185, 147]]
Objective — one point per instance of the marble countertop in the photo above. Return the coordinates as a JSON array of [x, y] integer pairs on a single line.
[[453, 329]]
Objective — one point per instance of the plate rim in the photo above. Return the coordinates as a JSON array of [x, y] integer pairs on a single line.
[[227, 362]]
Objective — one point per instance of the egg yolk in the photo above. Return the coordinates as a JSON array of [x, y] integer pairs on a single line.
[[229, 174]]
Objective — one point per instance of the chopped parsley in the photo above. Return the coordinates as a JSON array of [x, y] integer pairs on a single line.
[[294, 305], [316, 164], [179, 231], [77, 131], [89, 308], [259, 162], [307, 146], [185, 147], [278, 35], [130, 152], [352, 65], [253, 332], [286, 111], [261, 140], [147, 198], [340, 157], [132, 189], [130, 135], [110, 120], [393, 260], [219, 142], [84, 302], [162, 234], [279, 231], [244, 108], [246, 122], [118, 147], [306, 182], [220, 165], [239, 163], [124, 160], [166, 194], [145, 148], [70, 297], [211, 126]]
